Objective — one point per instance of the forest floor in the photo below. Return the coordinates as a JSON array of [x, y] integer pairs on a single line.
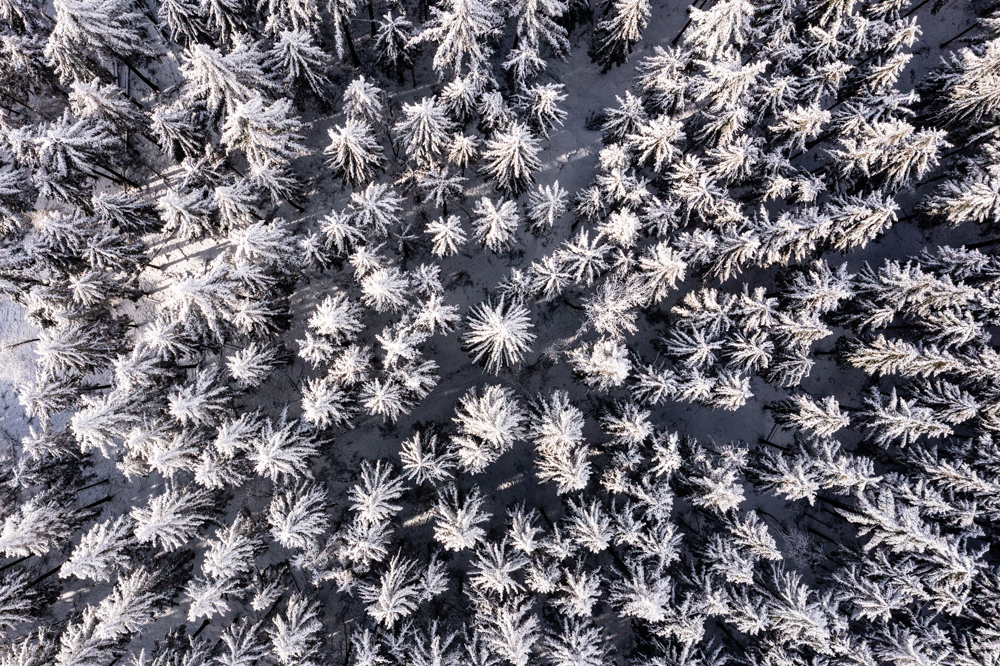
[[569, 157]]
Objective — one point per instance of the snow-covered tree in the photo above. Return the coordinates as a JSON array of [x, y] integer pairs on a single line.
[[282, 449], [392, 42], [424, 130], [266, 133], [498, 333], [542, 105], [296, 54], [354, 153], [172, 518], [458, 521], [616, 35], [512, 158], [108, 28], [546, 204], [461, 29], [35, 527], [225, 79], [376, 209], [372, 500], [446, 235], [496, 225], [396, 594], [132, 604], [423, 462], [295, 639], [537, 25], [298, 516], [101, 551]]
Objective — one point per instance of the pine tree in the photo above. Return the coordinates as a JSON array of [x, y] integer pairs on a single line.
[[546, 204], [354, 153], [298, 516], [423, 462], [107, 27], [64, 147], [604, 363], [176, 128], [364, 101], [496, 225], [225, 79], [510, 629], [395, 595], [107, 103], [223, 17], [458, 522], [376, 209], [16, 606], [200, 402], [584, 259], [392, 42], [499, 333], [298, 15], [127, 212], [35, 527], [295, 636], [266, 133], [337, 318], [523, 65], [385, 289], [132, 604], [440, 187], [172, 518], [577, 643], [296, 54], [537, 24], [282, 449], [243, 644], [324, 403], [512, 157], [615, 36], [461, 30], [446, 235], [424, 130], [180, 19], [101, 551], [231, 553], [542, 106], [189, 214]]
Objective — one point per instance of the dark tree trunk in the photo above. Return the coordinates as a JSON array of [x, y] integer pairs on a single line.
[[350, 41], [142, 77]]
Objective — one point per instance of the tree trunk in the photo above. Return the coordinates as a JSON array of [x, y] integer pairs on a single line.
[[14, 99], [986, 243], [983, 138], [98, 503], [121, 178], [94, 485], [17, 561], [916, 7], [836, 503], [371, 16], [680, 34], [350, 42], [141, 76], [770, 443], [200, 629], [959, 35], [22, 342], [44, 576]]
